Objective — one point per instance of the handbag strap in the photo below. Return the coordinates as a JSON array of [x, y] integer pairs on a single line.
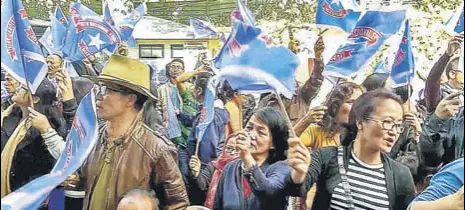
[[344, 180]]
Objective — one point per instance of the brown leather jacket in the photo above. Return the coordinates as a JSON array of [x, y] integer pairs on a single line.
[[143, 159]]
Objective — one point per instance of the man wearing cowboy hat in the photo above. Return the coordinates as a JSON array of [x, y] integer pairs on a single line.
[[129, 154]]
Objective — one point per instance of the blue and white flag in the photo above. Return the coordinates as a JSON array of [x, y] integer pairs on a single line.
[[207, 112], [251, 65], [107, 15], [380, 68], [335, 15], [21, 53], [373, 29], [127, 25], [455, 23], [201, 28], [88, 35], [243, 14], [404, 65], [80, 141]]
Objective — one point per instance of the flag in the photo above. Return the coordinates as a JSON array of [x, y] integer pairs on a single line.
[[380, 68], [251, 65], [107, 15], [370, 33], [243, 14], [334, 14], [404, 65], [88, 35], [54, 36], [80, 141], [208, 108], [201, 28], [455, 23], [127, 25], [21, 52]]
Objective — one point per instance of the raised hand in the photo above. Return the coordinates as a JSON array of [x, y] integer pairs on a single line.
[[65, 84], [449, 106], [37, 120], [195, 165], [299, 160]]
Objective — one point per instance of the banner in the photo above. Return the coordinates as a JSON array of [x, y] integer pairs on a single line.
[[80, 141], [21, 53], [370, 33]]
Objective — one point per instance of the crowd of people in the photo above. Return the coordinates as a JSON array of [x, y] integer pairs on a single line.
[[366, 147]]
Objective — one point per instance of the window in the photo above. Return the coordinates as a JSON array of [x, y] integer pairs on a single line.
[[151, 51], [177, 51]]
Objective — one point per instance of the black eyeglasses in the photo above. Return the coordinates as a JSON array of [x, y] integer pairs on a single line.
[[389, 125]]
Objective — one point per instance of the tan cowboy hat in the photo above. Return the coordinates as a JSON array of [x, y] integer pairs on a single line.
[[126, 72]]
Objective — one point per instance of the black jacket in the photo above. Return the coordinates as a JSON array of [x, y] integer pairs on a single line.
[[324, 172]]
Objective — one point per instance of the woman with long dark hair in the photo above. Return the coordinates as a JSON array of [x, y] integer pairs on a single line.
[[359, 174], [255, 180], [339, 103]]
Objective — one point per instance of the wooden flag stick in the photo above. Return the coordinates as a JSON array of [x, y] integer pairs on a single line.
[[286, 115]]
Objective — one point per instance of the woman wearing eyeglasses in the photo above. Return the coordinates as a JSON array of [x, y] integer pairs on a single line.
[[359, 174]]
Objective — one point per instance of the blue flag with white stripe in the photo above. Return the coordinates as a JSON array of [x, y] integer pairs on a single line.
[[404, 65], [54, 36], [207, 112], [370, 33], [88, 34], [21, 53], [332, 13], [201, 28], [380, 67], [80, 141], [244, 61]]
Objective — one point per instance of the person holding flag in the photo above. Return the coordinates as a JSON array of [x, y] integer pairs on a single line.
[[123, 89]]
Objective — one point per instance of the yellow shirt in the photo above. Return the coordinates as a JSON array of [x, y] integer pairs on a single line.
[[315, 138], [100, 194], [235, 118]]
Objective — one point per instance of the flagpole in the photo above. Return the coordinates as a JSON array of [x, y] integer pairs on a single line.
[[288, 119], [408, 93]]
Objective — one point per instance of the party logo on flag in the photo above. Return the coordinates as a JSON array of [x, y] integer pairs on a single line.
[[88, 35], [370, 33], [335, 15], [21, 55]]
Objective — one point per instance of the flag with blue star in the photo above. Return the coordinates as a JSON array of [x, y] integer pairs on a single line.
[[88, 35]]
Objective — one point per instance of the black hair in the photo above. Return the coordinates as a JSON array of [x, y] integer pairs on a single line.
[[375, 81], [140, 98], [279, 132], [47, 105], [404, 92], [334, 101], [225, 92], [140, 191], [201, 81], [179, 61], [452, 66], [363, 108], [167, 70]]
